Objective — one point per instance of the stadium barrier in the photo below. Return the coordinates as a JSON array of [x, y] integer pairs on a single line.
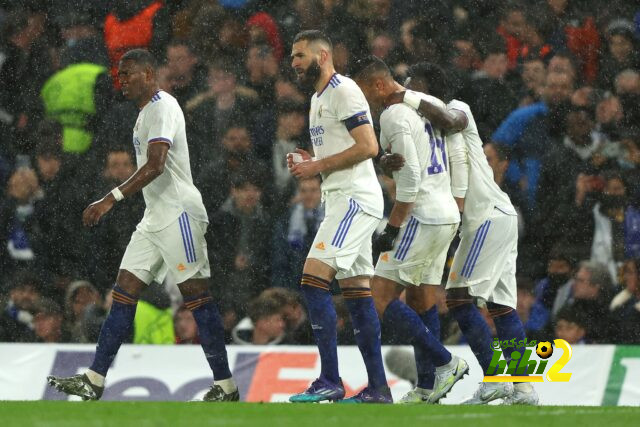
[[601, 374]]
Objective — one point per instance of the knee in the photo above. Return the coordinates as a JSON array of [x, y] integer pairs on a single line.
[[192, 288], [497, 310], [457, 298], [130, 283]]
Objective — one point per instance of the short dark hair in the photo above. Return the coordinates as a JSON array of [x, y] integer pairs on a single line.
[[435, 77], [313, 36], [141, 57], [572, 314], [246, 177], [264, 306], [224, 64], [366, 67], [494, 45]]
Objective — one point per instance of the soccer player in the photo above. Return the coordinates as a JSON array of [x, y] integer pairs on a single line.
[[414, 244], [484, 264], [168, 239], [344, 144]]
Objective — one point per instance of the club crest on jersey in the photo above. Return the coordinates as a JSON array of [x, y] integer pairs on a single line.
[[320, 246]]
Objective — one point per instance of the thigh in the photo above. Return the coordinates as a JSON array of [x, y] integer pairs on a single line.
[[343, 240], [142, 258], [482, 255], [184, 249], [422, 298], [506, 290]]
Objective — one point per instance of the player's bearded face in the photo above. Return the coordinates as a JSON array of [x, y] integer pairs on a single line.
[[310, 76]]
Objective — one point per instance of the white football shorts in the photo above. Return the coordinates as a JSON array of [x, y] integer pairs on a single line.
[[179, 250], [343, 240], [418, 255], [485, 261]]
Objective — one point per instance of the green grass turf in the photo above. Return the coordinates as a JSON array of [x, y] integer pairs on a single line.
[[143, 414]]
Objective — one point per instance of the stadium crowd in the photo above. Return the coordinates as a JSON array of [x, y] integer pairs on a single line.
[[554, 86]]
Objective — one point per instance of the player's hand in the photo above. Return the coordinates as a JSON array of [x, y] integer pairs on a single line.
[[384, 242], [96, 210], [394, 98], [306, 169], [391, 163], [305, 157]]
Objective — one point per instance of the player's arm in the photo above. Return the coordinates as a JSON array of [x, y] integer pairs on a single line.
[[156, 159], [459, 164], [408, 181], [365, 147], [449, 120]]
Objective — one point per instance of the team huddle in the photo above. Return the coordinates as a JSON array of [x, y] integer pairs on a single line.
[[444, 185]]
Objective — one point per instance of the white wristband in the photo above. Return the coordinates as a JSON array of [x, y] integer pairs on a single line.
[[412, 99], [117, 194]]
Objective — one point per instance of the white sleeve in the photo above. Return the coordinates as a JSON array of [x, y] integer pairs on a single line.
[[163, 123], [398, 133], [350, 105], [459, 164]]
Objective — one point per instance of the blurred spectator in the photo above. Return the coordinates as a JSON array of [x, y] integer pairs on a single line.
[[80, 34], [526, 298], [18, 228], [621, 52], [560, 267], [290, 133], [573, 26], [212, 112], [237, 158], [263, 29], [610, 225], [570, 325], [625, 306], [185, 326], [48, 323], [265, 324], [110, 237], [294, 234], [185, 73], [498, 157], [81, 295], [590, 293], [25, 67], [568, 160], [490, 96], [239, 245], [522, 130], [533, 77], [297, 326], [16, 319]]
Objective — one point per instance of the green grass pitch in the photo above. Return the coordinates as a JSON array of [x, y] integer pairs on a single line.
[[143, 414]]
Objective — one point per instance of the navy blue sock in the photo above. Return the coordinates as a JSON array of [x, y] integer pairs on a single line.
[[366, 327], [476, 331], [410, 328], [323, 318], [211, 333], [508, 326], [426, 368], [116, 329]]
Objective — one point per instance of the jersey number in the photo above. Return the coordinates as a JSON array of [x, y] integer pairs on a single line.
[[436, 144]]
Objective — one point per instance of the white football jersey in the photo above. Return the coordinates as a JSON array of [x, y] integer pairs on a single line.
[[338, 108], [483, 194], [424, 179], [172, 193]]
